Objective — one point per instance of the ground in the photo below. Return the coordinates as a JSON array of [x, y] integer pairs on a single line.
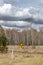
[[21, 58]]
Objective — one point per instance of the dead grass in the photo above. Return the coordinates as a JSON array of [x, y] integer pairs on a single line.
[[22, 58], [5, 59]]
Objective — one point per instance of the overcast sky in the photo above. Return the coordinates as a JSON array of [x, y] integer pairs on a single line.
[[20, 13]]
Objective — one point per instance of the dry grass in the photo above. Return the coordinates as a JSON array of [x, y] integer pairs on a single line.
[[5, 59], [21, 59]]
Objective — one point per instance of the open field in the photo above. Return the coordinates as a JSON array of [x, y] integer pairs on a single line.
[[21, 58]]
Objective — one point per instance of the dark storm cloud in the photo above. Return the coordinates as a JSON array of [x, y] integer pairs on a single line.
[[33, 20], [8, 18], [6, 24], [26, 19]]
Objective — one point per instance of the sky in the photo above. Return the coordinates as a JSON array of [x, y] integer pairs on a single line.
[[21, 13]]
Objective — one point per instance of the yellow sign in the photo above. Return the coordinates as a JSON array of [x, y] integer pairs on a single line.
[[21, 46]]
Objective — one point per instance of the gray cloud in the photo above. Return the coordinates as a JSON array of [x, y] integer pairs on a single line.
[[8, 18], [17, 24], [8, 1], [11, 13], [26, 19], [33, 20]]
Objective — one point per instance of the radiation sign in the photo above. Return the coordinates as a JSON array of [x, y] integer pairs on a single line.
[[21, 46]]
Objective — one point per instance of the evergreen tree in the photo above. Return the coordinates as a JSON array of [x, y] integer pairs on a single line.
[[3, 41]]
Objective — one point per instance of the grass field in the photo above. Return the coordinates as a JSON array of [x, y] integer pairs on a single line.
[[21, 59]]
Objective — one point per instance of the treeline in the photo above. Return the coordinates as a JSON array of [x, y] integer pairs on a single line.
[[26, 37]]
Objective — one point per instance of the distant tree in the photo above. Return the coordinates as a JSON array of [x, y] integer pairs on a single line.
[[34, 36]]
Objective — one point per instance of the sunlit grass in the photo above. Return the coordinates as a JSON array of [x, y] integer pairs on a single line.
[[5, 59], [22, 58]]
